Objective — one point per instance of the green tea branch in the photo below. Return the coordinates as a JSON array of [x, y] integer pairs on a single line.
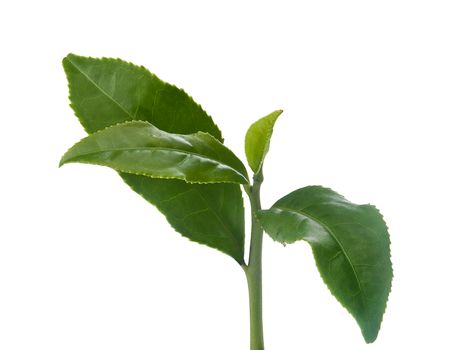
[[168, 149]]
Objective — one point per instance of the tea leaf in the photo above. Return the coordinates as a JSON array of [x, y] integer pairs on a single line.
[[350, 244], [109, 91], [257, 140], [209, 214], [138, 147]]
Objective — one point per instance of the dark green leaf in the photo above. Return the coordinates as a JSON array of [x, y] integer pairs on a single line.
[[257, 140], [109, 91], [106, 91], [138, 147], [351, 247], [209, 214]]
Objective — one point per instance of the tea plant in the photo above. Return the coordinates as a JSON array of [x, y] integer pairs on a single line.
[[169, 150]]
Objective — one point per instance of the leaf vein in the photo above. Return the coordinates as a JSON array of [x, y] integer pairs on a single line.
[[362, 292], [105, 93]]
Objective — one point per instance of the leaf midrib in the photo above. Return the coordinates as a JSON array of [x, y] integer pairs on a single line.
[[311, 217], [105, 93]]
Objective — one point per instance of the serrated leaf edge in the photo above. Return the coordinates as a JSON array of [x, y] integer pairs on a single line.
[[143, 122], [219, 137], [367, 340], [242, 262]]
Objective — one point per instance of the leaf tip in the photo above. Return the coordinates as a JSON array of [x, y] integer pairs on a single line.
[[68, 58], [62, 161], [369, 337], [275, 114]]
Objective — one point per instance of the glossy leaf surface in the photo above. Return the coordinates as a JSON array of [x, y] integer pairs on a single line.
[[257, 140], [350, 244], [104, 92], [139, 148]]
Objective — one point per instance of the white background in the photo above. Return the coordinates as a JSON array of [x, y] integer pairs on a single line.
[[375, 95]]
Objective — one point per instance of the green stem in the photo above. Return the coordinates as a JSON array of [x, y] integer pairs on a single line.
[[254, 269]]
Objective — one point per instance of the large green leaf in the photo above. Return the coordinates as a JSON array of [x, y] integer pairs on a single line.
[[351, 247], [257, 140], [109, 91], [207, 214], [138, 147], [104, 92]]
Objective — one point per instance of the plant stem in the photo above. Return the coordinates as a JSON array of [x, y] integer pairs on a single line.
[[254, 269]]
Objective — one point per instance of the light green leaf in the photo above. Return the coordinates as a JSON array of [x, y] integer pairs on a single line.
[[257, 140], [139, 148], [104, 92], [350, 244]]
